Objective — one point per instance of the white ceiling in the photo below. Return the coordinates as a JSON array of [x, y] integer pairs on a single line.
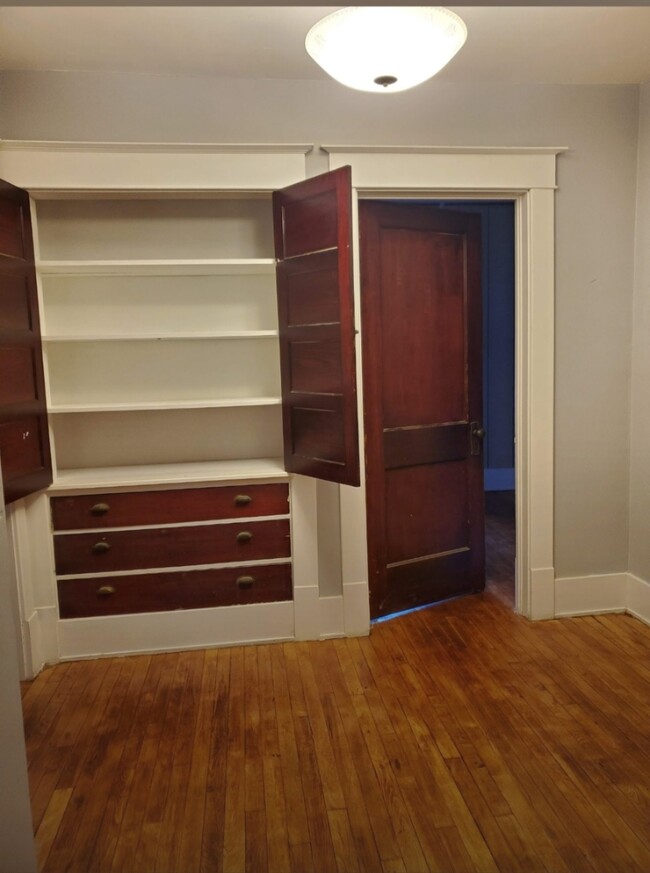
[[584, 45]]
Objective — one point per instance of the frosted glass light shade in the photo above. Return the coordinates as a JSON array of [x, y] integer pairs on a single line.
[[385, 48]]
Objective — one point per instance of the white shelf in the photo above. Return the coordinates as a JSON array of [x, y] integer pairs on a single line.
[[189, 267], [160, 335], [165, 404], [164, 475]]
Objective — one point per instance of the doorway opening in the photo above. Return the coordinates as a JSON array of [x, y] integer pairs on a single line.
[[498, 296]]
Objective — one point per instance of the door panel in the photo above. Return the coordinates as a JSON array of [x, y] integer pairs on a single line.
[[423, 530], [421, 310], [24, 439], [422, 320], [312, 225]]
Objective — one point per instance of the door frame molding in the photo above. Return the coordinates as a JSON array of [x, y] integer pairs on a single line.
[[526, 176]]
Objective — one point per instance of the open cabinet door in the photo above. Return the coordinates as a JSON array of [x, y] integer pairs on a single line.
[[24, 439], [313, 248]]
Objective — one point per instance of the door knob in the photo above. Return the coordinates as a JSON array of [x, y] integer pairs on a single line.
[[477, 433]]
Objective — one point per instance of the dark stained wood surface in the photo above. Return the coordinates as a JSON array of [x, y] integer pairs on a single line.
[[146, 548], [24, 438], [122, 509], [191, 589], [312, 226], [458, 739], [421, 310]]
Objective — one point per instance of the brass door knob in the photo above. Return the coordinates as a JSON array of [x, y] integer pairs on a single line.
[[106, 590], [244, 536], [242, 500], [478, 432], [244, 582]]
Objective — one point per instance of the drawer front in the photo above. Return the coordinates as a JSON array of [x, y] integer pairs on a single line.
[[191, 589], [124, 509], [171, 546]]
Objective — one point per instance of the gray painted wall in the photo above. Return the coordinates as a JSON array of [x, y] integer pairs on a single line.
[[17, 852], [595, 222], [640, 439]]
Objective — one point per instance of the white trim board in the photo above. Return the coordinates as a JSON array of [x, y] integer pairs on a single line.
[[528, 177], [150, 632], [603, 593]]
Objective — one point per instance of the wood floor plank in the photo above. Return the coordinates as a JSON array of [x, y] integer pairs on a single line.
[[457, 739], [214, 813], [49, 826]]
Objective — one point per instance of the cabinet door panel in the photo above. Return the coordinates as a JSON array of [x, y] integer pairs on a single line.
[[312, 223], [24, 439]]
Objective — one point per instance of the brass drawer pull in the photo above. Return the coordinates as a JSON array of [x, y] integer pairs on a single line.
[[106, 590], [243, 500], [99, 509], [244, 582], [244, 536], [100, 548]]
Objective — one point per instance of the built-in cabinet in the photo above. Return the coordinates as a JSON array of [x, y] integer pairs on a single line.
[[171, 516], [156, 292]]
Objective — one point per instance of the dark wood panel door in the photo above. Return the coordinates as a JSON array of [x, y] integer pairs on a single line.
[[24, 438], [421, 311], [313, 247]]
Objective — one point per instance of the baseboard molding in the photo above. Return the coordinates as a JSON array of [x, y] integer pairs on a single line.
[[356, 607], [608, 592], [174, 631], [638, 598], [40, 640], [332, 623]]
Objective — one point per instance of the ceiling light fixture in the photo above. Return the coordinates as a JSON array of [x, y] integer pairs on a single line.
[[385, 48]]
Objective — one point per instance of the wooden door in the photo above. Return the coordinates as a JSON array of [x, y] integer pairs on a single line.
[[421, 315], [313, 247], [24, 439]]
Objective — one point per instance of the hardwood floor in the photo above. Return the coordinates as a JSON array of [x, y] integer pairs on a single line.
[[454, 739]]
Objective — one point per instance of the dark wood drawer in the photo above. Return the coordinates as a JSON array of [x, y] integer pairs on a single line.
[[171, 546], [191, 589], [124, 509]]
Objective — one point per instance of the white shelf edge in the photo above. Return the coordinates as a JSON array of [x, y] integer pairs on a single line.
[[65, 408], [163, 475], [157, 267], [161, 335], [181, 568], [172, 525]]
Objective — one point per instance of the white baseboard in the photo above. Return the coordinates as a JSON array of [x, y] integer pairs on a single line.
[[332, 623], [638, 598], [542, 593], [180, 629], [356, 607], [608, 592], [40, 640]]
